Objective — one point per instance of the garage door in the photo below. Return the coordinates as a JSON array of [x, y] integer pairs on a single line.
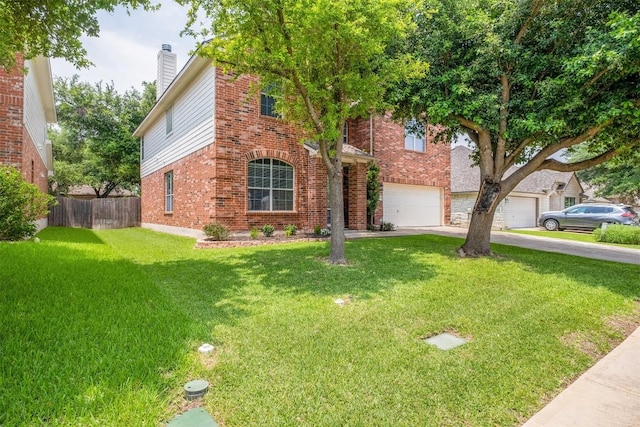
[[521, 212], [412, 205]]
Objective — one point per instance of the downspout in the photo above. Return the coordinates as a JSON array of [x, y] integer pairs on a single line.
[[371, 134]]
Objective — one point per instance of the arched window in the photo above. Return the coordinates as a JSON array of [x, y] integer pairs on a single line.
[[270, 185]]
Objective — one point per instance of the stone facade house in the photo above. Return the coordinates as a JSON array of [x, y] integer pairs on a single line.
[[26, 109], [213, 149], [539, 192]]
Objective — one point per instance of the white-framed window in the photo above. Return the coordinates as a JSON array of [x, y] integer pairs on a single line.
[[168, 191], [168, 119], [270, 185], [268, 100], [414, 136], [569, 201], [345, 133]]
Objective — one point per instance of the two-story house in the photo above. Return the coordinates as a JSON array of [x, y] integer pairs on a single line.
[[26, 109], [214, 149]]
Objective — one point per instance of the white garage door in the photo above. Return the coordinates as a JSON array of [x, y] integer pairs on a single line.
[[520, 212], [412, 205]]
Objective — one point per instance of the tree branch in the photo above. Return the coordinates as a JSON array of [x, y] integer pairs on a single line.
[[527, 23], [504, 111], [554, 165], [541, 157]]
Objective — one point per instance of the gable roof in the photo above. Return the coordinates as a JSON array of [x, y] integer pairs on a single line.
[[465, 175], [41, 69], [183, 79]]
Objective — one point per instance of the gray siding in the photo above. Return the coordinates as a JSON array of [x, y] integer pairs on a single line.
[[34, 118]]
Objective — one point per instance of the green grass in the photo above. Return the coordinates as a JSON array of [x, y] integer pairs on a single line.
[[578, 236], [102, 328]]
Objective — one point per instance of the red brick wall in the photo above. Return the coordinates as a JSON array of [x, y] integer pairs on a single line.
[[211, 184], [33, 168], [400, 166], [11, 116]]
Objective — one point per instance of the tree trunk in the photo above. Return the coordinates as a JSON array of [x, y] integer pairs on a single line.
[[336, 203], [478, 241]]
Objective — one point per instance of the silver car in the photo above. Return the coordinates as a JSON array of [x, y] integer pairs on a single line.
[[588, 216]]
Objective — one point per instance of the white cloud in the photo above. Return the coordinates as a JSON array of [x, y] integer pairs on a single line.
[[125, 52]]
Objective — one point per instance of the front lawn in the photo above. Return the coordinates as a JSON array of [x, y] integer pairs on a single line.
[[102, 328]]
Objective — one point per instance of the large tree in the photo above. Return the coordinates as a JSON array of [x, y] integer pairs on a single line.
[[94, 144], [52, 28], [525, 79], [326, 56]]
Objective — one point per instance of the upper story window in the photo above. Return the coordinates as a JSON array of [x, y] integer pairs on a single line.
[[168, 191], [270, 185], [414, 136], [168, 118], [268, 100], [345, 133]]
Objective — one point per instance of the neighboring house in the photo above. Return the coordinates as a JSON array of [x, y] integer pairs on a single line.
[[539, 192], [26, 109], [213, 149], [87, 192]]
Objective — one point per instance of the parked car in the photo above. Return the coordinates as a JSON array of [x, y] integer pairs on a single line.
[[588, 216]]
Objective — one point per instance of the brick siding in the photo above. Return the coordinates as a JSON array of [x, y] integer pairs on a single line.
[[400, 166], [211, 184]]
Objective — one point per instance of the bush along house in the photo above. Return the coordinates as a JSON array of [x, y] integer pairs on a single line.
[[214, 150]]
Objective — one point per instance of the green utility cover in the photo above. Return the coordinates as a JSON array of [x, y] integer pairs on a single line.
[[197, 417], [446, 341]]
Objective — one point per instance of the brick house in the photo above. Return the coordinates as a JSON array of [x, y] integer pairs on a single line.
[[26, 109], [213, 149], [541, 191]]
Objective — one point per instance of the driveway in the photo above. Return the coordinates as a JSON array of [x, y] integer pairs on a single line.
[[546, 244]]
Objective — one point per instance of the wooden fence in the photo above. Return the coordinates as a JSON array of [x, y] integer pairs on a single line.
[[96, 213]]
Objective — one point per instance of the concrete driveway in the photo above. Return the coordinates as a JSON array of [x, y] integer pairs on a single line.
[[546, 244]]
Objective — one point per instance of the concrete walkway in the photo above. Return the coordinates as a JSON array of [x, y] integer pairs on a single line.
[[608, 394], [546, 244]]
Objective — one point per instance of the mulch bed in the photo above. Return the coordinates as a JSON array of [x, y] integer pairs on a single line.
[[242, 241]]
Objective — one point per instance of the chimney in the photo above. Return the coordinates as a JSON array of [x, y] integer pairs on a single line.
[[166, 69]]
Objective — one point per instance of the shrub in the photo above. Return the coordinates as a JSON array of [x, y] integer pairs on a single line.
[[268, 230], [317, 229], [254, 233], [217, 231], [21, 204], [623, 234], [325, 232], [387, 226], [290, 230]]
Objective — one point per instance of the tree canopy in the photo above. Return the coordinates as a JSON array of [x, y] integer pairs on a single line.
[[52, 28], [524, 80], [94, 144], [329, 58], [619, 177]]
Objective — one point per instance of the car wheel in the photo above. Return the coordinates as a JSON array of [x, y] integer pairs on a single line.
[[551, 225]]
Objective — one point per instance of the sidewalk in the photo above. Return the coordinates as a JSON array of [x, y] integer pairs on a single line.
[[607, 395]]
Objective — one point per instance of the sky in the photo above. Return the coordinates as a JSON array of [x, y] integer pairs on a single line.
[[125, 52]]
